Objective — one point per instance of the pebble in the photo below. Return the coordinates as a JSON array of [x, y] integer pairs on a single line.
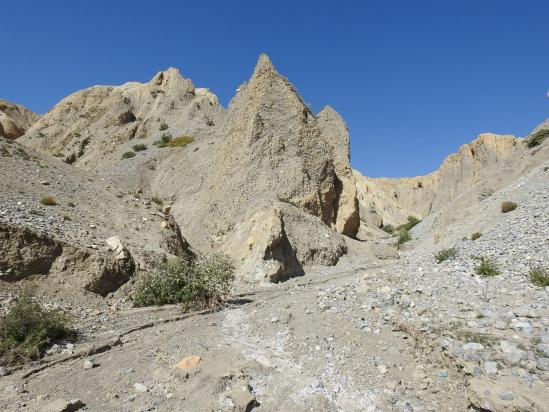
[[89, 364], [139, 387], [472, 346], [506, 396], [4, 371]]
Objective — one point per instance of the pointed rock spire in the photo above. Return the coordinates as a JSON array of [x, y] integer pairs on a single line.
[[263, 66]]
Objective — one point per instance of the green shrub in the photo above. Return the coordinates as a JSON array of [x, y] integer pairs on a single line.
[[28, 329], [476, 235], [487, 268], [403, 237], [412, 221], [139, 147], [196, 283], [388, 228], [164, 140], [48, 201], [67, 217], [539, 276], [446, 254], [128, 155], [163, 126], [181, 141], [536, 138], [508, 206]]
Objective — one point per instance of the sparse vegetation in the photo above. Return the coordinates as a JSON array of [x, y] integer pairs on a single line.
[[196, 283], [181, 141], [487, 268], [139, 147], [48, 201], [539, 276], [446, 254], [164, 140], [128, 155], [536, 138], [28, 329], [22, 153], [163, 126], [508, 206], [476, 235], [67, 217], [388, 228], [412, 221], [403, 237]]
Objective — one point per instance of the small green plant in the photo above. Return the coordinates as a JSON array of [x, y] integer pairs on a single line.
[[28, 329], [412, 221], [164, 140], [67, 217], [196, 283], [487, 268], [476, 235], [48, 201], [403, 237], [388, 228], [508, 206], [539, 276], [536, 138], [181, 141], [446, 254], [128, 155], [163, 126], [139, 147]]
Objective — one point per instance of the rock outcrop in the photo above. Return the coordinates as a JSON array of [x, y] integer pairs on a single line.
[[93, 127], [391, 200], [15, 119], [272, 153]]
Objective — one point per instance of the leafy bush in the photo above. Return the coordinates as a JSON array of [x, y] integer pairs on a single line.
[[412, 221], [163, 126], [487, 268], [164, 140], [508, 206], [28, 329], [139, 147], [403, 237], [536, 138], [181, 141], [446, 254], [388, 228], [196, 283], [476, 235], [539, 276], [48, 201], [128, 155]]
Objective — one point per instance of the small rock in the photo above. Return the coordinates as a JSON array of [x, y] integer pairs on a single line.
[[382, 369], [166, 210], [60, 405], [4, 371], [490, 368], [472, 346], [507, 396], [89, 364], [188, 362], [139, 387], [543, 364], [274, 320]]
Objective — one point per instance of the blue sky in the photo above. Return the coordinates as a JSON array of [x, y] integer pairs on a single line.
[[413, 79]]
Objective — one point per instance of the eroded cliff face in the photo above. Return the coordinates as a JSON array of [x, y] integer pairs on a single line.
[[391, 200], [272, 157], [93, 127], [15, 119]]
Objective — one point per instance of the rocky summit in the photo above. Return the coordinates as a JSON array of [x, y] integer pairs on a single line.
[[159, 252]]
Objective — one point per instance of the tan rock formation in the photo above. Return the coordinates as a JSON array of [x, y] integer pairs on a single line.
[[394, 199], [15, 119]]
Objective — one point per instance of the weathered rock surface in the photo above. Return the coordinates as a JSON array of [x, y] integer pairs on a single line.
[[15, 119]]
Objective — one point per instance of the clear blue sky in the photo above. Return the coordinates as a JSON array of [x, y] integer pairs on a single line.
[[413, 79]]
